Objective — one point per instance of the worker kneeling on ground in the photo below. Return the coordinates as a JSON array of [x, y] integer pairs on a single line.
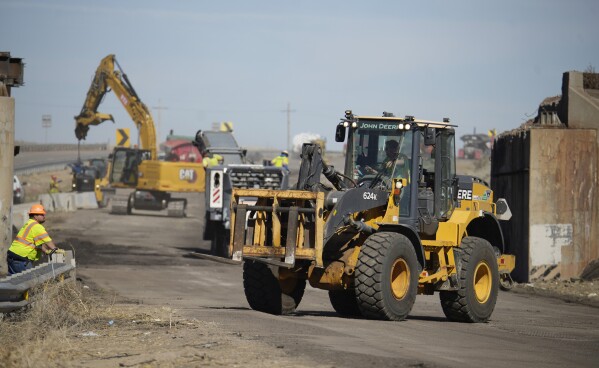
[[281, 160], [213, 160], [31, 241]]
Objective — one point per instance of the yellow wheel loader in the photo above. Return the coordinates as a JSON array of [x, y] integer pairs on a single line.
[[395, 223]]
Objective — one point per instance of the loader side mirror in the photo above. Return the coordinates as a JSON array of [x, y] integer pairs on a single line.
[[340, 133], [429, 136]]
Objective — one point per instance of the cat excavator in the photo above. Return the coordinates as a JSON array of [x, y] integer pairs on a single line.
[[153, 181]]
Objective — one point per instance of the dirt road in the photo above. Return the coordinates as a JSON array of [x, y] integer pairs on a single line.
[[143, 258]]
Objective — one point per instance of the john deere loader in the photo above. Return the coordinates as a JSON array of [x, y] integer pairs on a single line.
[[395, 223]]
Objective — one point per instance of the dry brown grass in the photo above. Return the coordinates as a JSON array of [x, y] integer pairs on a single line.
[[69, 326], [51, 329]]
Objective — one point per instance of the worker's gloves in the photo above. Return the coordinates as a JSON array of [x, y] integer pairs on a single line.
[[59, 251]]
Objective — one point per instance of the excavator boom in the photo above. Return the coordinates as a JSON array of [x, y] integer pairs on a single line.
[[108, 78]]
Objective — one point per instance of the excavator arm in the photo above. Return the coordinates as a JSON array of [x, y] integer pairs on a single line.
[[106, 79]]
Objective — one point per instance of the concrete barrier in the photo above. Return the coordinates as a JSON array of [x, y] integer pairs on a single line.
[[86, 200], [20, 214], [58, 202]]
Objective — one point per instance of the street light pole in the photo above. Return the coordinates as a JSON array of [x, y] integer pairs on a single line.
[[46, 124]]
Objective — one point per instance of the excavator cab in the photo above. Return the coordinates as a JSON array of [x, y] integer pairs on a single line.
[[125, 166]]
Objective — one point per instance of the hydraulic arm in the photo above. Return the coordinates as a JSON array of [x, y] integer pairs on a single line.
[[108, 78]]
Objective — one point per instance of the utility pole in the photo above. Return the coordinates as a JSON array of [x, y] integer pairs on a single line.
[[11, 69], [288, 111], [159, 121]]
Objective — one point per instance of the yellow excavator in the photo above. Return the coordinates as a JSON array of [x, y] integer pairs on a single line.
[[136, 168]]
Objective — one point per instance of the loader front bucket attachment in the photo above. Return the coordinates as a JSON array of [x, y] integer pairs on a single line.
[[277, 226]]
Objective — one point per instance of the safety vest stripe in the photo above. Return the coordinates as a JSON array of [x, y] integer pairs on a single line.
[[41, 236], [25, 242], [28, 228]]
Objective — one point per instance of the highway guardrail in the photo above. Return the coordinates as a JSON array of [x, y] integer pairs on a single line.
[[16, 290]]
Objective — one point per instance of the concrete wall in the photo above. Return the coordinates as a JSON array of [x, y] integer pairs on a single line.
[[579, 106], [581, 111], [7, 136], [547, 171], [563, 181]]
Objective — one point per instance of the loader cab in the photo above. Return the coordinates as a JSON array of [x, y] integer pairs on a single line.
[[125, 163], [380, 149]]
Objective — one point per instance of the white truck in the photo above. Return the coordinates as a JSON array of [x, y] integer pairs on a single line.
[[235, 172]]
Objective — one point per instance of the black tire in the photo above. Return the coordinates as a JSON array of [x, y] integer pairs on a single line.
[[386, 277], [345, 302], [208, 227], [219, 245], [265, 293], [479, 283]]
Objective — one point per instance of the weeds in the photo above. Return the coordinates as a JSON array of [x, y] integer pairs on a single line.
[[53, 327]]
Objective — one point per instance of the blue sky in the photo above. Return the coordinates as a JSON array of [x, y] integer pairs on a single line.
[[483, 64]]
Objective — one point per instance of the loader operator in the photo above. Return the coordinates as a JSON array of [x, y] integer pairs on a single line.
[[281, 160], [393, 157], [31, 241]]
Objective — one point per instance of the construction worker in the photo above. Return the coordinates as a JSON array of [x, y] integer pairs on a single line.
[[31, 241], [213, 160], [281, 160], [54, 184]]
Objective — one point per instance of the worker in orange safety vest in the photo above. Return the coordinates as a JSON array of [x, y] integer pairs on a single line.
[[31, 241]]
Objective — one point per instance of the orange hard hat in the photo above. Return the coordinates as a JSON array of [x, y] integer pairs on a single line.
[[37, 209]]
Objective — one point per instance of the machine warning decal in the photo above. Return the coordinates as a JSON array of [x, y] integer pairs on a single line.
[[465, 194], [483, 197], [215, 195], [188, 175]]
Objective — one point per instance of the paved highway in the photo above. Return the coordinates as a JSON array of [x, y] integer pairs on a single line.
[[143, 257]]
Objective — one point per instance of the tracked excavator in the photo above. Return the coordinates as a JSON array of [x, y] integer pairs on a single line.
[[153, 181], [396, 222]]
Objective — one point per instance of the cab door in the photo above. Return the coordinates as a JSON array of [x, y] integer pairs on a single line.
[[445, 171]]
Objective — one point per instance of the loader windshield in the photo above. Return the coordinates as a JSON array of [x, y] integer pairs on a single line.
[[381, 152]]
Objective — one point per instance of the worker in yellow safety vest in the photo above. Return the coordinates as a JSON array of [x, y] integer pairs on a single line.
[[281, 160], [213, 160], [31, 241], [54, 184]]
